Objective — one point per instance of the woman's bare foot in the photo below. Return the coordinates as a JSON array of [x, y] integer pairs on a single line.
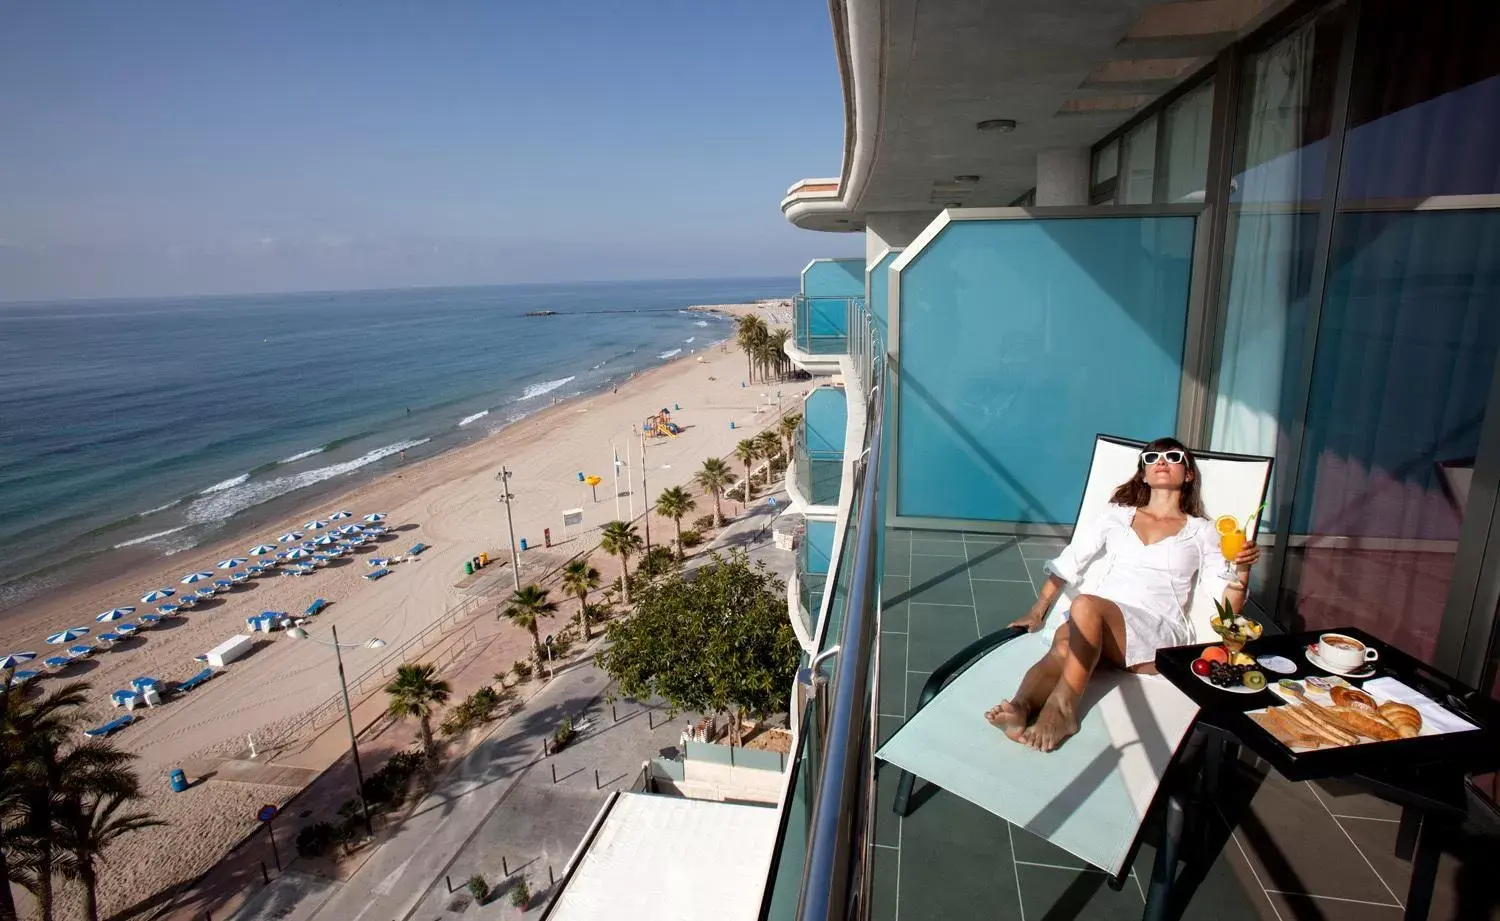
[[1008, 718], [1053, 725]]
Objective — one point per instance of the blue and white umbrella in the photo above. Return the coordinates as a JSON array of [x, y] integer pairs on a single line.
[[15, 658], [68, 636], [262, 549], [349, 529], [80, 650], [324, 541], [290, 536], [233, 562], [192, 577], [127, 629], [166, 610], [298, 554], [158, 595], [114, 614], [376, 516], [315, 525], [340, 515]]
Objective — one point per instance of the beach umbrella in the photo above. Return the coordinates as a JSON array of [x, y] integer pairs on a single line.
[[57, 662], [68, 635], [166, 610], [114, 614], [324, 541], [192, 577], [377, 516], [15, 658], [82, 649], [298, 554], [316, 525], [290, 536], [340, 515], [233, 562], [158, 595], [262, 549], [349, 529]]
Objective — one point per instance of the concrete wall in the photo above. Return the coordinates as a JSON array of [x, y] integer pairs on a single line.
[[703, 779]]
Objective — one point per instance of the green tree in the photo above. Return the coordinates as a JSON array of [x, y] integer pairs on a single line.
[[778, 348], [788, 428], [676, 504], [620, 539], [580, 578], [718, 642], [751, 334], [90, 822], [715, 477], [769, 443], [415, 693], [525, 608], [746, 452]]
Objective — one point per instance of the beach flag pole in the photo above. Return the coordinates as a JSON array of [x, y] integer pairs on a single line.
[[616, 468], [645, 493]]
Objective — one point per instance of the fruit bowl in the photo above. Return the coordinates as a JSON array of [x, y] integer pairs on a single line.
[[1234, 629]]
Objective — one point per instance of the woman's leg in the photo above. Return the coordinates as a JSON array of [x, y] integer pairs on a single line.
[[1014, 715], [1097, 628]]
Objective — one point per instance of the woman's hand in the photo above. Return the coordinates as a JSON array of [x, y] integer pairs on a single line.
[[1247, 557], [1031, 620]]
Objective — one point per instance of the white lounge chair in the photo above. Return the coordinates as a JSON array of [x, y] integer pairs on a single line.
[[1092, 795]]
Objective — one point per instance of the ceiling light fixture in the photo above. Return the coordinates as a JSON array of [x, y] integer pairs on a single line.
[[1003, 125]]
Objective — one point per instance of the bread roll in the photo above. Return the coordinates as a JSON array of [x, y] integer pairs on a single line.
[[1306, 718], [1352, 697], [1403, 718], [1362, 722], [1284, 730]]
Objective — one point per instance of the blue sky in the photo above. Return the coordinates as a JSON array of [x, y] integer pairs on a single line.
[[209, 146]]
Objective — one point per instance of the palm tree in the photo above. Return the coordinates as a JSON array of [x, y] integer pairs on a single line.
[[417, 691], [749, 336], [675, 503], [715, 477], [746, 452], [525, 608], [778, 342], [89, 823], [788, 428], [580, 578], [620, 539], [37, 770], [769, 443]]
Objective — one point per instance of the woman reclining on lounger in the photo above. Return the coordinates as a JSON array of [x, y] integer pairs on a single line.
[[1151, 542]]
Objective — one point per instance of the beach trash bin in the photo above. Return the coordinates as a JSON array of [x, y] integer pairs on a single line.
[[477, 564], [523, 543], [484, 559], [468, 568], [179, 780], [731, 423], [547, 537], [580, 476]]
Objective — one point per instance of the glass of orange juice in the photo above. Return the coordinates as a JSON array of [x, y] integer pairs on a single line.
[[1231, 542]]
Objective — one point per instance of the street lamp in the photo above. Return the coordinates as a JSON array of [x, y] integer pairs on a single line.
[[297, 633], [507, 497]]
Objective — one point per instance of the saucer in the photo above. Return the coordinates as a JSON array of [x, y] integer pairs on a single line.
[[1365, 672]]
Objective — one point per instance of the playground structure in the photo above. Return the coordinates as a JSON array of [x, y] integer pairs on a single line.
[[660, 425]]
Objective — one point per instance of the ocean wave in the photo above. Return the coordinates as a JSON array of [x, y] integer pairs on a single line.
[[690, 338], [236, 499], [474, 418], [669, 353], [535, 390], [230, 483], [149, 537], [159, 508], [300, 455], [701, 323]]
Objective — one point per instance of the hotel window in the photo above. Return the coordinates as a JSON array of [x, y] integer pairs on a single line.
[[1106, 165], [1137, 180], [1184, 157]]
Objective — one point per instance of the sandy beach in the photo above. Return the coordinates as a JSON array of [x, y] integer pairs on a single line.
[[451, 503]]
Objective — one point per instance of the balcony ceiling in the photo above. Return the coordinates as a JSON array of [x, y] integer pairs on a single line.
[[919, 75]]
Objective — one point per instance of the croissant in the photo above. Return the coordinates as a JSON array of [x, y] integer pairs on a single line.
[[1403, 718]]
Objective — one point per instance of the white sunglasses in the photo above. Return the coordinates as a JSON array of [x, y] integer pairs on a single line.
[[1173, 457]]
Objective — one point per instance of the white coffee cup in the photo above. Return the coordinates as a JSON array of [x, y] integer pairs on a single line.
[[1344, 653]]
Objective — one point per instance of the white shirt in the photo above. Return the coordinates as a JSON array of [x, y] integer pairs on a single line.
[[1151, 583]]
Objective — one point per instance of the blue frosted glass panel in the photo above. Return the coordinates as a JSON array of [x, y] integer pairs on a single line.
[[828, 316], [878, 298], [1019, 342], [819, 545], [834, 278], [826, 415]]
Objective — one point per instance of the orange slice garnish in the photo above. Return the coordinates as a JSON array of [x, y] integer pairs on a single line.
[[1226, 524]]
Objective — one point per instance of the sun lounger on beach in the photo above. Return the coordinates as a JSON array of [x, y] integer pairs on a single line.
[[82, 649], [317, 606], [377, 574], [194, 681], [109, 637], [376, 562], [416, 549], [58, 662], [126, 699], [114, 725], [21, 677]]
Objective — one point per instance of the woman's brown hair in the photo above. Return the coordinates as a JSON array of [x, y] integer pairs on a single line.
[[1134, 493]]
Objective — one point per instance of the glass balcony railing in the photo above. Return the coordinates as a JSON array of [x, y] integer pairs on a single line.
[[812, 579], [818, 472], [820, 325]]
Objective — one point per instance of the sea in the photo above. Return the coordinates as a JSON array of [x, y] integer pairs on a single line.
[[141, 428]]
